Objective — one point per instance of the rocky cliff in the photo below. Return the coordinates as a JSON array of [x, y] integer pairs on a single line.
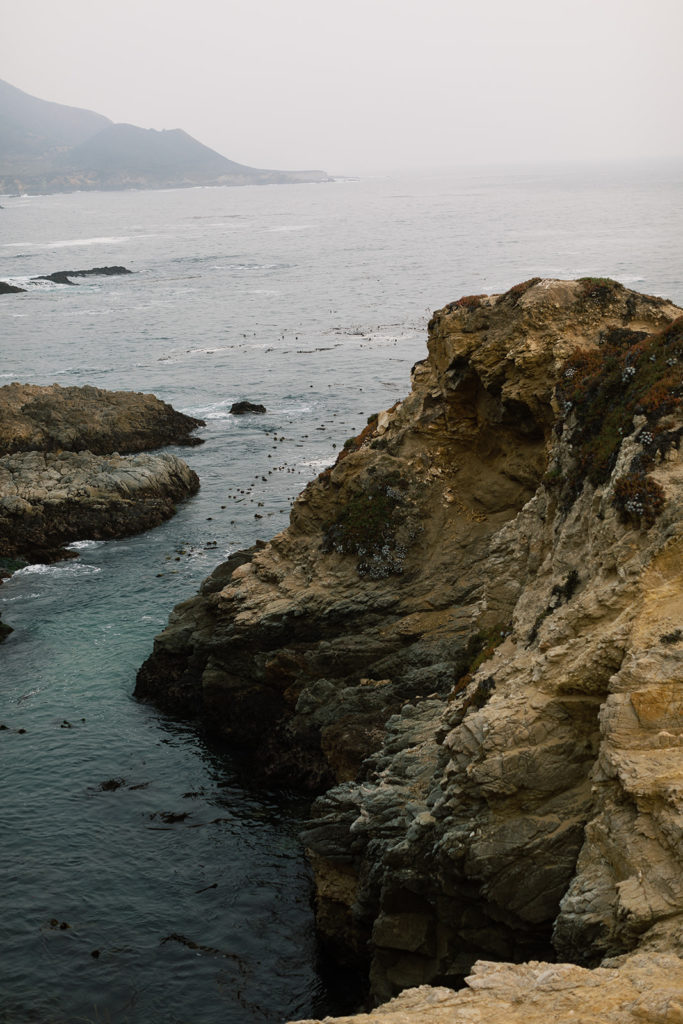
[[469, 642]]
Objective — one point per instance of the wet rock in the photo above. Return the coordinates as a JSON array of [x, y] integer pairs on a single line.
[[49, 499], [243, 408], [9, 289]]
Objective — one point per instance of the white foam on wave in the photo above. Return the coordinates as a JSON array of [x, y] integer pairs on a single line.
[[83, 545], [291, 227], [69, 569], [292, 410], [67, 243], [215, 411]]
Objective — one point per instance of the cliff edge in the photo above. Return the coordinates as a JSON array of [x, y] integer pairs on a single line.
[[469, 643]]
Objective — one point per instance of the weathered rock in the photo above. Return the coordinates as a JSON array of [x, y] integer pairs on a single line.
[[53, 418], [50, 499], [64, 276], [644, 989], [472, 625], [9, 289], [242, 408]]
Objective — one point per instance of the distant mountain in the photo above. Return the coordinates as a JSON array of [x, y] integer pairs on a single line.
[[49, 147]]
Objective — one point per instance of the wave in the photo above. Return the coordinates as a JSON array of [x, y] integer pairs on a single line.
[[61, 569], [69, 242], [83, 545], [291, 227]]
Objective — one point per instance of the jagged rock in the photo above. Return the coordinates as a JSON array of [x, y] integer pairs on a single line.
[[472, 626], [50, 499], [53, 418], [64, 276], [242, 408], [645, 988]]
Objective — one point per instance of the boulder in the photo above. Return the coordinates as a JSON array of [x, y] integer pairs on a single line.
[[242, 408]]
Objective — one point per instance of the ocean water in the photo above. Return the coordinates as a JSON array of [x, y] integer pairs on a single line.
[[142, 878]]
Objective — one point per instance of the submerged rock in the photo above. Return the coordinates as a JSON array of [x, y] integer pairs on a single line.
[[53, 418], [468, 642]]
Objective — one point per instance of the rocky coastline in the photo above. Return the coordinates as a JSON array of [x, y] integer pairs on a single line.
[[468, 648], [73, 466]]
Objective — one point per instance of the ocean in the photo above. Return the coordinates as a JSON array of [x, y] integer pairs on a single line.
[[143, 879]]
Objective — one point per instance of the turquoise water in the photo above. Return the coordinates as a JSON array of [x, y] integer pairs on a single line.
[[185, 894]]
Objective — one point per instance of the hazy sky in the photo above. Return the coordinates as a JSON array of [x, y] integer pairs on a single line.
[[359, 86]]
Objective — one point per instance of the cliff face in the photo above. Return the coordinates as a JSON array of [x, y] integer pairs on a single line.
[[470, 639]]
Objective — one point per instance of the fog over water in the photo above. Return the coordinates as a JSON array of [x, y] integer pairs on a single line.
[[367, 86]]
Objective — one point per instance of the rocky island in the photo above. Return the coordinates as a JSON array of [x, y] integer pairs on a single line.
[[66, 472], [468, 648]]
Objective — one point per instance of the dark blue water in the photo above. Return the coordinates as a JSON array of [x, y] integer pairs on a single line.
[[185, 895]]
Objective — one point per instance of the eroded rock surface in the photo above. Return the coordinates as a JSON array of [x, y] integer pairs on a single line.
[[49, 499], [53, 418], [469, 640], [646, 989], [62, 477]]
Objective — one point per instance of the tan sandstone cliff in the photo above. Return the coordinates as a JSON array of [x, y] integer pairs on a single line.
[[469, 641]]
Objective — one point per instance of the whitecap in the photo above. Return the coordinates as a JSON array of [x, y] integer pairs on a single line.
[[67, 243], [82, 545], [292, 227], [60, 569]]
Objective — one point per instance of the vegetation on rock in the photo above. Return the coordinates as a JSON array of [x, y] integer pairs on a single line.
[[369, 526], [601, 390]]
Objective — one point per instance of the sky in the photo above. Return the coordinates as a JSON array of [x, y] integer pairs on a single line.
[[367, 86]]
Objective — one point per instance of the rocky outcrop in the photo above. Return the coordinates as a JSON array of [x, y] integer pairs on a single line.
[[62, 477], [9, 289], [646, 988], [242, 408], [469, 642], [49, 499], [64, 276], [53, 418]]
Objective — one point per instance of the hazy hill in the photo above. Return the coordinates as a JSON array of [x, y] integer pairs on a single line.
[[49, 147]]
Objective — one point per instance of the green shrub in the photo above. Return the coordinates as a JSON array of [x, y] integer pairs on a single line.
[[600, 391]]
